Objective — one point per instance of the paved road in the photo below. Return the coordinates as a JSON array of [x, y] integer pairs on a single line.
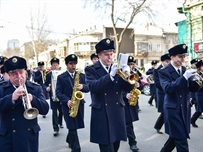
[[147, 138]]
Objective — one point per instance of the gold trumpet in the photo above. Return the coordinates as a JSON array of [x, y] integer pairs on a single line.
[[30, 112], [197, 78]]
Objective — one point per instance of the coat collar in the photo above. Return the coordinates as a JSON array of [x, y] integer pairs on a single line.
[[99, 68], [173, 72]]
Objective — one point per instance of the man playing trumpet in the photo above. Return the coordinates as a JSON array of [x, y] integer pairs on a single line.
[[17, 133]]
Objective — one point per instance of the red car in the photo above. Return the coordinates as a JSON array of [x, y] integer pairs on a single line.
[[146, 85]]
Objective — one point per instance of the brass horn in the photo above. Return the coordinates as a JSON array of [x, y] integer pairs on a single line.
[[30, 112]]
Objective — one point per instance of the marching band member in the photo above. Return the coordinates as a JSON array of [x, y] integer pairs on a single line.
[[131, 112], [16, 132], [2, 59], [107, 125], [4, 74], [152, 86], [176, 84], [199, 97], [39, 77], [94, 58], [50, 86], [64, 92], [165, 60]]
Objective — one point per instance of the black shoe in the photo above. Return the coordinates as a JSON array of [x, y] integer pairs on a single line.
[[44, 116], [158, 131], [194, 125], [56, 133], [139, 110], [150, 104], [61, 126], [134, 148]]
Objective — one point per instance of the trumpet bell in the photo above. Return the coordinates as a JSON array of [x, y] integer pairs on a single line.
[[31, 113], [79, 95], [133, 78]]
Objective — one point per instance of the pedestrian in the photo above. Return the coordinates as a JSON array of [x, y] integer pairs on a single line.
[[176, 83], [152, 85], [17, 132], [107, 126], [4, 74], [50, 87], [131, 110], [165, 60], [198, 97], [67, 84]]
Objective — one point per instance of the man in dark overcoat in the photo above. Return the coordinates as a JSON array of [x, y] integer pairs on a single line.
[[18, 133], [165, 60], [39, 77], [176, 83], [131, 111], [107, 126], [64, 92], [50, 87], [198, 97], [152, 85]]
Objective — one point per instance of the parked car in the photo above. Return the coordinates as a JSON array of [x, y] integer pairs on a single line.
[[146, 85]]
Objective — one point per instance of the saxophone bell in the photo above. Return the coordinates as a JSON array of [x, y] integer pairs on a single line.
[[79, 95]]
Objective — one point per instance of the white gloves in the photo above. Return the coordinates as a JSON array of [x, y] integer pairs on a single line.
[[189, 73], [113, 69], [125, 69], [196, 77]]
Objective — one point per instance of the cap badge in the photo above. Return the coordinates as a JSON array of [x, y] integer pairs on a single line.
[[108, 41], [14, 60], [130, 57], [73, 56], [184, 46]]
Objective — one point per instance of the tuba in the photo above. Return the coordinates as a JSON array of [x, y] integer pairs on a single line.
[[135, 92], [76, 97], [30, 112]]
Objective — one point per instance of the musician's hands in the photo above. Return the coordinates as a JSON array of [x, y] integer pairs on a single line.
[[189, 73], [20, 91], [137, 84], [69, 104], [126, 68], [113, 69], [79, 87], [128, 96], [29, 96], [196, 77], [48, 89]]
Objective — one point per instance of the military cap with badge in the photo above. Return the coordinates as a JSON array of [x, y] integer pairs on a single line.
[[180, 49], [154, 62], [41, 63], [54, 60], [15, 63], [165, 57], [71, 58], [193, 61], [94, 55], [105, 45], [199, 63], [131, 59]]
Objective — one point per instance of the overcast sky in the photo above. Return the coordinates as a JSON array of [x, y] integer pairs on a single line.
[[63, 16]]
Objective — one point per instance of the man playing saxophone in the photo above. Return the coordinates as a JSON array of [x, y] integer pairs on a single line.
[[64, 92], [50, 87], [131, 111]]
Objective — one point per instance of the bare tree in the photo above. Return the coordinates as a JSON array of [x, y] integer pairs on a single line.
[[126, 11], [11, 52], [38, 30]]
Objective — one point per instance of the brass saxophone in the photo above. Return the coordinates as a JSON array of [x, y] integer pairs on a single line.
[[76, 97], [135, 92]]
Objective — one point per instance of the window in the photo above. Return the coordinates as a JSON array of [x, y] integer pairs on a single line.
[[158, 47], [175, 38], [141, 62], [166, 48], [150, 47], [92, 46], [166, 37]]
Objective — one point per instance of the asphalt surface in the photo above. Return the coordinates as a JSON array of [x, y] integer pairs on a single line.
[[148, 140]]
